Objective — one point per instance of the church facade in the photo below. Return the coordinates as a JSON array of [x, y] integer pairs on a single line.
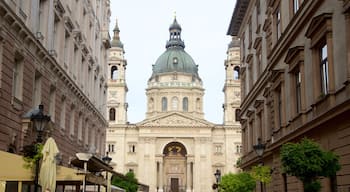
[[174, 148]]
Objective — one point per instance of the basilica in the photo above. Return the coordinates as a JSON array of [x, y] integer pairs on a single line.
[[174, 148]]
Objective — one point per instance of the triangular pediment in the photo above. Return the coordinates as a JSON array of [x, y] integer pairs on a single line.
[[175, 119]]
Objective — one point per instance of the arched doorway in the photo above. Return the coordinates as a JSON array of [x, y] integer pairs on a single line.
[[175, 167]]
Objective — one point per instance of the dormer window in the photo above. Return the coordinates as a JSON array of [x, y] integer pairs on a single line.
[[175, 60]]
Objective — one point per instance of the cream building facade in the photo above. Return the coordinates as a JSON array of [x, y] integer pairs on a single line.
[[174, 148]]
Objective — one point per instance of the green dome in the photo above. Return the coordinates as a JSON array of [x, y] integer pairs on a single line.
[[175, 59]]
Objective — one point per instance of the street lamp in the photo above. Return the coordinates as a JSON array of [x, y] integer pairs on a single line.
[[39, 122], [107, 160], [217, 175], [85, 157], [259, 150]]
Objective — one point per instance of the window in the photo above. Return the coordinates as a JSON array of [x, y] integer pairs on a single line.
[[114, 72], [279, 106], [52, 103], [86, 132], [17, 77], [238, 114], [63, 113], [238, 148], [236, 73], [198, 104], [175, 102], [250, 35], [37, 89], [218, 148], [278, 22], [164, 104], [324, 68], [295, 60], [319, 31], [185, 104], [132, 148], [72, 121], [296, 5], [111, 148], [66, 48], [80, 127], [297, 79], [112, 114]]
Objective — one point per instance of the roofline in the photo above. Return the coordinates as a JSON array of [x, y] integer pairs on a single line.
[[237, 17]]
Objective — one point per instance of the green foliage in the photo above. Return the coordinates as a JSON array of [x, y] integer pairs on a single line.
[[240, 182], [129, 182], [313, 186], [261, 173], [307, 161], [238, 162], [32, 153]]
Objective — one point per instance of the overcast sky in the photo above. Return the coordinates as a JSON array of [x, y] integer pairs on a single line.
[[144, 31]]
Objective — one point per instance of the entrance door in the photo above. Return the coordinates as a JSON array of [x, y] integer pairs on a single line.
[[174, 184]]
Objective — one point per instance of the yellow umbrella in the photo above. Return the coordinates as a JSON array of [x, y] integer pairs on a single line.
[[47, 176]]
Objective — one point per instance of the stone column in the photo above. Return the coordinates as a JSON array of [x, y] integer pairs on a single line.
[[160, 176], [188, 177]]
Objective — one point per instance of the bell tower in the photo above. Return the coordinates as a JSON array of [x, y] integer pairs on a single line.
[[232, 83], [117, 88]]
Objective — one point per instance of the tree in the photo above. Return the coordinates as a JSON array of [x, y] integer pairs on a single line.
[[240, 182], [261, 173], [129, 182], [307, 161]]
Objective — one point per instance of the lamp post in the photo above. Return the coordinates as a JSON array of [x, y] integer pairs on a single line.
[[39, 122], [259, 150], [107, 160], [85, 157], [217, 175]]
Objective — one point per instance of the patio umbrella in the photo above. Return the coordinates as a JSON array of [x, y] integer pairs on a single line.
[[47, 176]]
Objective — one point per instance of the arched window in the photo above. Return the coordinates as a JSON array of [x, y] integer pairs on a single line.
[[114, 72], [238, 114], [164, 104], [236, 73], [198, 104], [112, 114], [185, 104], [175, 103], [150, 104]]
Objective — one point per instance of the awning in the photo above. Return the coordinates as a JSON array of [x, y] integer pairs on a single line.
[[94, 165]]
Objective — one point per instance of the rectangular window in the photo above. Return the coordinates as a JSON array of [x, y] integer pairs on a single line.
[[279, 107], [66, 48], [17, 78], [324, 69], [52, 102], [132, 148], [80, 127], [37, 89], [86, 133], [278, 22], [111, 148], [250, 35], [296, 5], [297, 78], [72, 121], [63, 114]]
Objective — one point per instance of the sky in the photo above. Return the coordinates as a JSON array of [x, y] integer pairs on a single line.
[[144, 30]]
